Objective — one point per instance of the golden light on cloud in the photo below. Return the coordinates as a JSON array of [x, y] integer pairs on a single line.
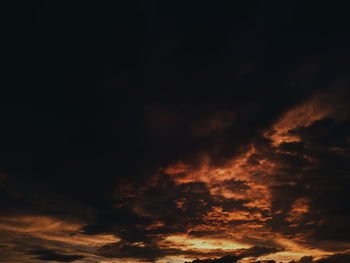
[[218, 214], [316, 108], [186, 242], [55, 230], [239, 169], [294, 251], [249, 178]]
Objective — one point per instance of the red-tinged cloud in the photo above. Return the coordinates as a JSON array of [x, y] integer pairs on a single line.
[[264, 192]]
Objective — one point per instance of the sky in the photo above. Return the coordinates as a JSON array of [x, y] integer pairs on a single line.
[[175, 131]]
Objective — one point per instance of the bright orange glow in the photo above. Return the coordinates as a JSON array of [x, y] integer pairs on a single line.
[[186, 242]]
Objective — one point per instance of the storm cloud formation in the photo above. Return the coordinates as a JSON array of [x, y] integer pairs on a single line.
[[179, 132]]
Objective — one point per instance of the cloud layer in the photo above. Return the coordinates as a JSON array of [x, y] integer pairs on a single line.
[[170, 132]]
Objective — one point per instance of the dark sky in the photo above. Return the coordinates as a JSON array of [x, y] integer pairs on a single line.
[[175, 131]]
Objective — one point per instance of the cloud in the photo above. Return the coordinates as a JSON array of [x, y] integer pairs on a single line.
[[126, 250], [337, 258], [208, 131], [252, 252], [49, 255], [258, 251], [225, 259], [306, 259]]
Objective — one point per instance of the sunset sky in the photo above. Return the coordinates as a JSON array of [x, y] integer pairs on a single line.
[[175, 131]]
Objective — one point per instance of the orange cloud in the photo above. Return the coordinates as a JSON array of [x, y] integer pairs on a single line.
[[248, 178], [316, 108], [299, 208], [47, 229]]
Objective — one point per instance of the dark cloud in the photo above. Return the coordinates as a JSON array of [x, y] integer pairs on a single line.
[[306, 259], [129, 250], [258, 251], [322, 179], [50, 255], [250, 252], [152, 252], [337, 258], [225, 259]]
